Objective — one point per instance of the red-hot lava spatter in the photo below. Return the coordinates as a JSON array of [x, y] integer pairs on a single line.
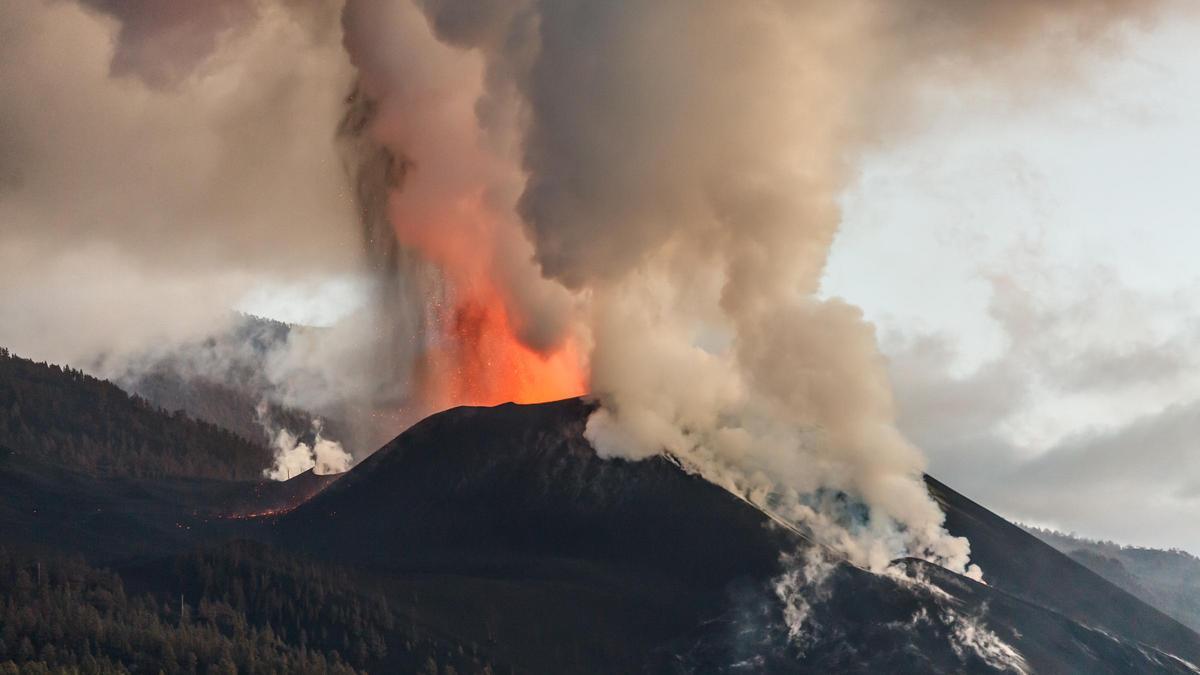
[[475, 356], [480, 361], [286, 495], [265, 513]]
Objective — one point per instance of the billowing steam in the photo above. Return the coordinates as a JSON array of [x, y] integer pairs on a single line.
[[672, 169], [295, 454]]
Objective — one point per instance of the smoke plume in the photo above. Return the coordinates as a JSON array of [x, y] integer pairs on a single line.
[[295, 454], [472, 318], [672, 171], [159, 160]]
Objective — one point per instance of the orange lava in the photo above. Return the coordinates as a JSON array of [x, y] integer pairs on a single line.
[[265, 513], [482, 362], [475, 355]]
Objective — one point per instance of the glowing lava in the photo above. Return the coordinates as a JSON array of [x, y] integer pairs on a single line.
[[474, 353], [480, 361]]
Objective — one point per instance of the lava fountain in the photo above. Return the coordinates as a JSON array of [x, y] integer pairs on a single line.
[[468, 318], [474, 353]]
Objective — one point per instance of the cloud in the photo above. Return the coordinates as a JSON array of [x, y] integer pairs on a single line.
[[1087, 421], [160, 159]]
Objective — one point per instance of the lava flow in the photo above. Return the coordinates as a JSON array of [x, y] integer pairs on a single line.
[[265, 513], [272, 498]]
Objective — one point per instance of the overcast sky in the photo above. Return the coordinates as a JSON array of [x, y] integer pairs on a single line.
[[1032, 272]]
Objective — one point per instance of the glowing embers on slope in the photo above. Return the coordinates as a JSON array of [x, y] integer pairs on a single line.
[[265, 513]]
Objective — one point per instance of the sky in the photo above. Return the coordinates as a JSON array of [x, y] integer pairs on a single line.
[[1031, 272], [1027, 262]]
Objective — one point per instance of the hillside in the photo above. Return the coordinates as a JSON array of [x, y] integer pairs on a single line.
[[220, 379], [64, 416], [213, 402], [629, 563], [235, 608], [496, 540], [1168, 580]]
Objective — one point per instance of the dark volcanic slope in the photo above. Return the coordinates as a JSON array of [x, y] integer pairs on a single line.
[[500, 532], [114, 518], [521, 481], [1016, 562], [510, 531], [515, 533]]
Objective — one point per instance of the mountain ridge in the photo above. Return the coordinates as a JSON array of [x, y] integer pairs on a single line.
[[1166, 579], [500, 534]]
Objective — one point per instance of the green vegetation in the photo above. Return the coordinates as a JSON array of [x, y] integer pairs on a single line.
[[62, 415], [304, 603], [1168, 580], [312, 605], [60, 615], [239, 608]]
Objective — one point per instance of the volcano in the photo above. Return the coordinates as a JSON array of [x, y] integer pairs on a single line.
[[607, 565], [496, 538]]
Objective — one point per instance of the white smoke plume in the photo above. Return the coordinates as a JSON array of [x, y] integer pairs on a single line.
[[676, 166], [805, 586], [294, 456], [802, 584], [970, 635]]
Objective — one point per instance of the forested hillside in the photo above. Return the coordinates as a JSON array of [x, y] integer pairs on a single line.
[[1168, 580], [203, 399], [60, 614], [65, 416], [222, 379], [239, 608]]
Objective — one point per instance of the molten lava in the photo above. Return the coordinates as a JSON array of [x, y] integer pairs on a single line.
[[474, 354], [480, 361]]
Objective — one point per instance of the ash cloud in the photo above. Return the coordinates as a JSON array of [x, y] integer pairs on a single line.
[[437, 181], [160, 160], [682, 165], [659, 181]]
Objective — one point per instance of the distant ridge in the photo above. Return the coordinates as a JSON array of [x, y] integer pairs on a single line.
[[1168, 580], [65, 416]]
